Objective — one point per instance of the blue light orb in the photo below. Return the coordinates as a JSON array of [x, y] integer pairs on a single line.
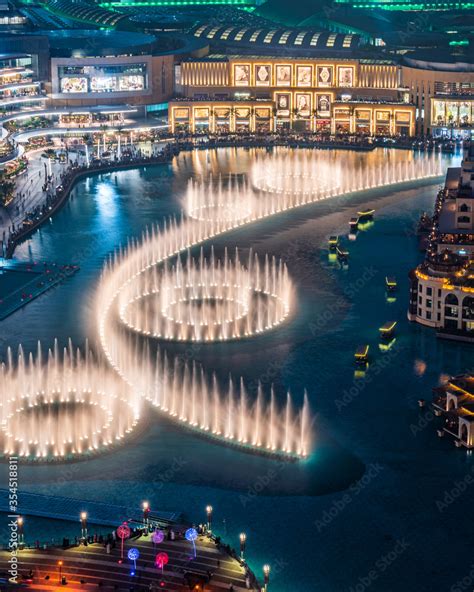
[[191, 534], [133, 554]]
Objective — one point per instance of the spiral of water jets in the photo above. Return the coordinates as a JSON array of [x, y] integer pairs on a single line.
[[60, 405], [203, 300]]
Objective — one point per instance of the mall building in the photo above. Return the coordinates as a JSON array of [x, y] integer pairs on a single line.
[[257, 79], [240, 79]]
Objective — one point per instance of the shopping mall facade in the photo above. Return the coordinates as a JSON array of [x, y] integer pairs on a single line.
[[267, 80]]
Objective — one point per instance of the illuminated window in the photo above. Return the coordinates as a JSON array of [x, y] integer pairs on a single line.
[[300, 37], [269, 36], [314, 39], [240, 34], [331, 40], [200, 31], [212, 32], [284, 37], [254, 35], [347, 41], [226, 33]]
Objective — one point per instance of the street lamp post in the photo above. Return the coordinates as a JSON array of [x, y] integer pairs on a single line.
[[266, 576], [21, 539], [243, 539], [83, 525], [60, 565], [209, 518], [146, 511]]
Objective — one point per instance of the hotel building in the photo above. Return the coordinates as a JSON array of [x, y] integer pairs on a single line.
[[455, 402], [442, 287]]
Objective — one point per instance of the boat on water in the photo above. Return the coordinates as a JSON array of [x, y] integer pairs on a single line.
[[391, 283], [361, 355], [342, 254], [387, 330], [387, 344], [366, 215], [354, 223], [333, 242]]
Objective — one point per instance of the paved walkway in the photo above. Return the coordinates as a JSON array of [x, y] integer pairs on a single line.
[[29, 192], [91, 568]]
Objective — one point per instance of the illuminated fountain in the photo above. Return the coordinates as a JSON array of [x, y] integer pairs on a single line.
[[217, 201], [307, 173], [281, 183], [310, 177], [141, 295], [55, 406], [208, 299], [227, 412]]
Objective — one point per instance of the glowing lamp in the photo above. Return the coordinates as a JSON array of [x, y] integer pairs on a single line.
[[161, 560], [158, 537]]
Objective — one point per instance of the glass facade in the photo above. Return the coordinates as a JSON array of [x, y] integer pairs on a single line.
[[456, 113], [103, 78]]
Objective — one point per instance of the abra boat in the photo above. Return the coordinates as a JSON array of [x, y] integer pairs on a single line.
[[366, 215], [354, 223], [361, 355], [387, 330]]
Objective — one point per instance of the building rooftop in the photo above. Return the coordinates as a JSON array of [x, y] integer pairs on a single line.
[[277, 39]]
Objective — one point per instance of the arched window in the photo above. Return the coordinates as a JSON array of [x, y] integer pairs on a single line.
[[464, 208], [468, 308], [451, 299]]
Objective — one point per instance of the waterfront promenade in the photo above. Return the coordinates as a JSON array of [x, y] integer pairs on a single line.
[[92, 567]]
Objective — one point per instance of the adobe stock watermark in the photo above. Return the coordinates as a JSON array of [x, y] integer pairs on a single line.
[[13, 516], [456, 491], [339, 303], [260, 484], [383, 563], [359, 385], [354, 490], [465, 583]]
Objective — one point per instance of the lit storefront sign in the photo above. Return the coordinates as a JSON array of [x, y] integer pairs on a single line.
[[283, 75], [345, 76], [456, 113], [303, 104], [283, 103], [241, 74], [304, 76], [263, 75]]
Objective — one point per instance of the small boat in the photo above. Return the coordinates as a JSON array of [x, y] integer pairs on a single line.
[[421, 402], [388, 329], [354, 223], [387, 345], [342, 253], [366, 215], [361, 355], [333, 242], [391, 283]]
